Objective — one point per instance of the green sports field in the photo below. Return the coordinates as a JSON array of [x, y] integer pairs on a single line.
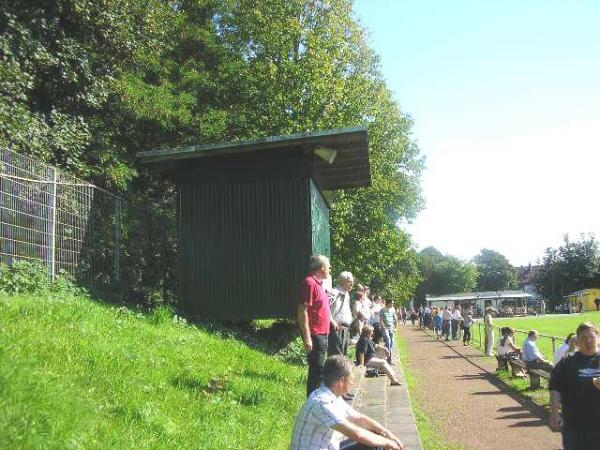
[[549, 325]]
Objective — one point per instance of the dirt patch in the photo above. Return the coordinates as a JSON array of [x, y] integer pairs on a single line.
[[457, 388]]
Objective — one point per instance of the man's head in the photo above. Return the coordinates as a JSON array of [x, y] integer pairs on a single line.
[[337, 374], [319, 266], [346, 280], [588, 338], [532, 335]]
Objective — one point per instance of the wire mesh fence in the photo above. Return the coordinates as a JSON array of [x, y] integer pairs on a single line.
[[74, 227]]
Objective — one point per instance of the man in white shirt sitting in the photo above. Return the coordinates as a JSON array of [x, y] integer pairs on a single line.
[[326, 420]]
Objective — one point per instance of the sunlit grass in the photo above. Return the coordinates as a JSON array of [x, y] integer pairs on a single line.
[[78, 374]]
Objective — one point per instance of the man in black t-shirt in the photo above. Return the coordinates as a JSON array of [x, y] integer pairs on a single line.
[[575, 383]]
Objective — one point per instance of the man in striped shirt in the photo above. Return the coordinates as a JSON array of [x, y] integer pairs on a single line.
[[326, 422]]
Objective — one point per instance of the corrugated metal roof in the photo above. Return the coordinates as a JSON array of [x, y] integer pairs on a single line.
[[351, 167], [480, 296]]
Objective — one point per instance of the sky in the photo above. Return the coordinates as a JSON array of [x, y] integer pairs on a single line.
[[505, 98]]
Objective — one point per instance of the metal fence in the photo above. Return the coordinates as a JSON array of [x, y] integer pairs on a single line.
[[547, 344], [72, 226]]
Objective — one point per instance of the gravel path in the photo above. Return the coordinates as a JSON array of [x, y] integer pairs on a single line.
[[457, 388]]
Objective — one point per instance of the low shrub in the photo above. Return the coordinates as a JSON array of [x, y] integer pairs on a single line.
[[23, 277]]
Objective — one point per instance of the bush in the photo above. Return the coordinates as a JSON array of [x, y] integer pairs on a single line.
[[24, 277]]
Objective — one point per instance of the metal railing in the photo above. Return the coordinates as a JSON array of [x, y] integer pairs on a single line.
[[69, 225], [546, 343]]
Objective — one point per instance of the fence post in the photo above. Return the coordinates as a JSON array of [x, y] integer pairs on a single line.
[[117, 256], [52, 247], [479, 328], [553, 345]]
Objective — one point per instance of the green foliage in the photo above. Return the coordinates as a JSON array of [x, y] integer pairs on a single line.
[[572, 266], [79, 374], [444, 274], [23, 277], [88, 84], [495, 273]]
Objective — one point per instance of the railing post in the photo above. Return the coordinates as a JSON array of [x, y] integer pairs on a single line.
[[52, 246], [117, 255], [479, 328], [553, 345]]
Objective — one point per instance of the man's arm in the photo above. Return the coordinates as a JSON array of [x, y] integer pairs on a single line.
[[303, 323], [367, 437]]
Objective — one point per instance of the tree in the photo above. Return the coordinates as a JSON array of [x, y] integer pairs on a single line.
[[444, 274], [572, 266], [495, 273], [87, 84]]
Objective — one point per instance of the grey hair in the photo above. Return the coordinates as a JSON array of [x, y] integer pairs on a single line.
[[345, 276], [335, 368], [317, 261]]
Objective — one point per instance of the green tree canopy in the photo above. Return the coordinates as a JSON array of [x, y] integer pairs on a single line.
[[444, 274], [572, 266], [87, 84], [495, 273]]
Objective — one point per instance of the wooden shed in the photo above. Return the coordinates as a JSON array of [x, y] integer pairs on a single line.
[[251, 213]]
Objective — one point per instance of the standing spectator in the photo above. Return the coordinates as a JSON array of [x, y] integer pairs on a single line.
[[365, 355], [404, 315], [413, 317], [489, 331], [542, 307], [314, 318], [468, 322], [376, 318], [565, 349], [575, 383], [341, 315], [420, 316], [427, 316], [532, 355], [388, 325], [597, 303], [361, 310], [438, 323], [325, 417], [456, 318], [446, 323]]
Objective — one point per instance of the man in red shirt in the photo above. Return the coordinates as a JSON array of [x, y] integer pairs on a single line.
[[314, 318]]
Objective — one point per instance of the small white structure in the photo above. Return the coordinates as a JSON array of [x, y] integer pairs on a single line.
[[507, 303]]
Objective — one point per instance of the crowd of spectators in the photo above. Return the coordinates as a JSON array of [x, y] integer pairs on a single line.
[[574, 373], [330, 320]]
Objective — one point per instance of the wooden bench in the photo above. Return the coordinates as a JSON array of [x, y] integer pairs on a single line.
[[535, 375]]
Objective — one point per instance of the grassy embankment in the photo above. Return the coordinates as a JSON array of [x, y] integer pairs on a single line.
[[75, 373], [429, 431]]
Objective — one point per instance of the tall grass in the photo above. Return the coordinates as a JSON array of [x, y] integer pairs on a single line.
[[76, 374]]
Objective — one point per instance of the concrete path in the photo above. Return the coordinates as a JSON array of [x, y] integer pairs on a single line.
[[390, 406], [458, 389]]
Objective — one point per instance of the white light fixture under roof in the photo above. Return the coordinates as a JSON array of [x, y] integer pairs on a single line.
[[326, 153]]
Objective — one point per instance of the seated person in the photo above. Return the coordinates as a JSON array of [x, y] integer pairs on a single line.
[[365, 354], [326, 421], [531, 355], [506, 347]]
